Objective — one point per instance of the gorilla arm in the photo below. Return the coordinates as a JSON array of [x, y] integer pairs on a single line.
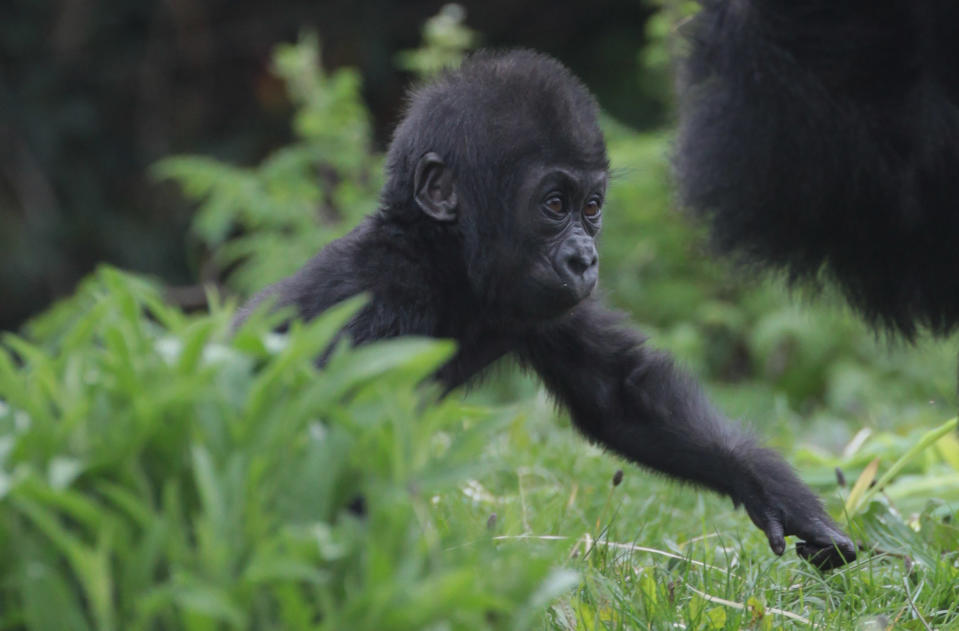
[[635, 402]]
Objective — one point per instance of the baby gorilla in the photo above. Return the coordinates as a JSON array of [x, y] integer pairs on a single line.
[[486, 235]]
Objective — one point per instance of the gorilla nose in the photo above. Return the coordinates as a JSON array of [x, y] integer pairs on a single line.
[[582, 261], [581, 269]]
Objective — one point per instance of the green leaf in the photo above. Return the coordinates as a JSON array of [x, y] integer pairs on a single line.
[[948, 447], [928, 439], [49, 602], [207, 600], [715, 618]]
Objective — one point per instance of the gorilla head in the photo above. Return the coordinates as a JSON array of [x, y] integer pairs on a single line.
[[507, 151]]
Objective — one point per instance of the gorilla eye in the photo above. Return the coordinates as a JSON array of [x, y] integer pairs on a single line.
[[592, 208], [555, 205]]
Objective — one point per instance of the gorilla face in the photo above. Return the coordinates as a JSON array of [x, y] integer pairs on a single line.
[[560, 213], [537, 252]]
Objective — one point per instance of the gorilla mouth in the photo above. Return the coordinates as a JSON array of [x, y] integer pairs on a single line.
[[545, 298]]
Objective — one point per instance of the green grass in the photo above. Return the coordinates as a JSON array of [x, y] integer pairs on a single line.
[[653, 554]]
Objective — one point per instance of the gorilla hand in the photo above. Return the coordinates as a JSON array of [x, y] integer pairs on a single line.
[[779, 505]]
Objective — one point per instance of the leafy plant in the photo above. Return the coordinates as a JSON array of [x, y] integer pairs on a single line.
[[262, 223], [157, 472], [445, 39]]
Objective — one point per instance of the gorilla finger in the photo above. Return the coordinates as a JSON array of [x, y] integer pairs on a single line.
[[824, 558], [774, 533], [827, 535]]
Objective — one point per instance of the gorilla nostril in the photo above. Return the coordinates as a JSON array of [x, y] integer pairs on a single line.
[[578, 264]]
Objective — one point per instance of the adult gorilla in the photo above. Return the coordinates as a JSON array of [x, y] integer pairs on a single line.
[[822, 139], [485, 234]]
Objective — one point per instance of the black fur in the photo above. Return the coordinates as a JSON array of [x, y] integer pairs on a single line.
[[485, 235], [821, 137]]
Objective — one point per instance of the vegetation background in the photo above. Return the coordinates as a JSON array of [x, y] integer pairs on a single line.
[[159, 473]]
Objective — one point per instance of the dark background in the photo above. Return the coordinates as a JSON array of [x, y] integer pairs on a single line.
[[94, 91]]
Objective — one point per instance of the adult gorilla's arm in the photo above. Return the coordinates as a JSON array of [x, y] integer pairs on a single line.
[[634, 401]]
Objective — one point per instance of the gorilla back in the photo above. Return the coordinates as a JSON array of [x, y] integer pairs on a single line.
[[486, 234], [822, 137]]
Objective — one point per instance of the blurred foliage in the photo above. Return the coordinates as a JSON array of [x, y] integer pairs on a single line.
[[91, 93], [445, 39], [262, 223], [657, 55]]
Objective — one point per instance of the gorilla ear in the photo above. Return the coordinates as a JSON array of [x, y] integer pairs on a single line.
[[433, 188]]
